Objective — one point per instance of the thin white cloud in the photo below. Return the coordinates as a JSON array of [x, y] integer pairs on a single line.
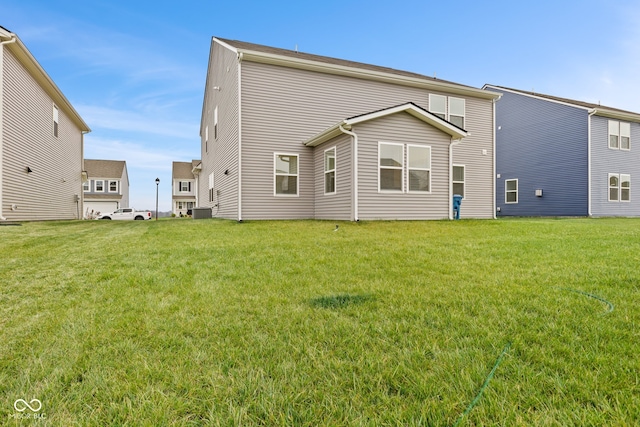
[[132, 121], [137, 156]]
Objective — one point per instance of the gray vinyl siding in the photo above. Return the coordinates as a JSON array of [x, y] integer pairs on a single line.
[[544, 145], [281, 107], [27, 137], [222, 153], [605, 161], [475, 152], [340, 204], [403, 129]]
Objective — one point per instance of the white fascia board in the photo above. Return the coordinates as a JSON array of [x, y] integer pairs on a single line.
[[416, 112], [225, 45], [541, 98], [619, 115], [326, 135], [455, 132], [305, 64], [40, 75]]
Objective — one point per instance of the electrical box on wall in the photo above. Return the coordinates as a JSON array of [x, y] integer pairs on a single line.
[[539, 192]]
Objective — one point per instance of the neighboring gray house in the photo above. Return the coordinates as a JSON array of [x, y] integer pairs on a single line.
[[41, 140], [184, 187], [288, 135], [107, 186], [562, 157]]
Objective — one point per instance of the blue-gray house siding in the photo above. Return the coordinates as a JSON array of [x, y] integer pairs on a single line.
[[605, 161], [544, 145]]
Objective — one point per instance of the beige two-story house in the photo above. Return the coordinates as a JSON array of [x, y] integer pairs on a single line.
[[291, 135], [41, 140]]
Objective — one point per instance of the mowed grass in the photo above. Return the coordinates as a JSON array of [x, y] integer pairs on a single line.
[[274, 323]]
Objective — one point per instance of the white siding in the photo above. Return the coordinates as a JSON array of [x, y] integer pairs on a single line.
[[27, 137]]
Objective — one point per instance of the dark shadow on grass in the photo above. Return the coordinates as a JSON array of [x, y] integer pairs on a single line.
[[339, 301]]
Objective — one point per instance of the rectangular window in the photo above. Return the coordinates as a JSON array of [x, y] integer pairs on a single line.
[[206, 139], [619, 187], [330, 171], [614, 134], [185, 186], [55, 121], [419, 167], [86, 186], [458, 180], [113, 186], [457, 111], [211, 187], [190, 205], [511, 191], [99, 185], [215, 123], [391, 166], [438, 105], [286, 174], [625, 187], [625, 136]]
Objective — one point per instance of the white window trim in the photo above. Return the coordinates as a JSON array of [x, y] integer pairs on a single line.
[[180, 186], [215, 123], [86, 186], [401, 168], [464, 113], [409, 168], [517, 190], [109, 186], [464, 178], [275, 175], [625, 135], [618, 187], [621, 179], [95, 188], [211, 186], [614, 133], [334, 170], [446, 103], [56, 121]]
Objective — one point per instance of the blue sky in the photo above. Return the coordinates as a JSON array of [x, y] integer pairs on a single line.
[[135, 70]]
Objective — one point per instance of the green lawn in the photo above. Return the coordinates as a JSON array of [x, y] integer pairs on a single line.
[[211, 322]]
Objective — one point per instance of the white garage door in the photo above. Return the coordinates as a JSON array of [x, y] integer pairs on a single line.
[[96, 207]]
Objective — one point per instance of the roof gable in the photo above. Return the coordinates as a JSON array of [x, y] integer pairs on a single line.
[[597, 109], [410, 108], [105, 168], [184, 170], [295, 59]]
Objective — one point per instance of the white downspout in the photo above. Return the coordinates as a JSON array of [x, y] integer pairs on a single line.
[[11, 40], [356, 216], [239, 137], [591, 113], [453, 142]]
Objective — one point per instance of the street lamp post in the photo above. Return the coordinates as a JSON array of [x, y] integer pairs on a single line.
[[157, 183]]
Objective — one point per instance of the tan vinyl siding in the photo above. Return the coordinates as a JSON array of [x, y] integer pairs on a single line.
[[475, 152], [49, 191], [340, 204], [403, 129], [281, 107], [222, 153]]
